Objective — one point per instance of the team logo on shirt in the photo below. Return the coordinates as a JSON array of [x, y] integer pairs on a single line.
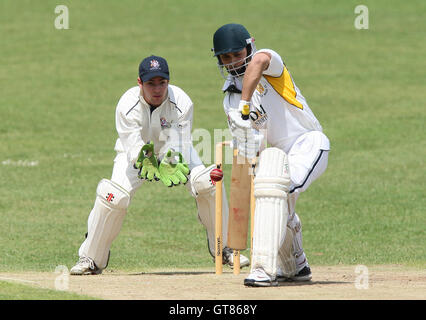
[[259, 117], [261, 89], [164, 123], [155, 65]]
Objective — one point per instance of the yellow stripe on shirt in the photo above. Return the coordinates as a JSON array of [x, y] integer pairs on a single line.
[[284, 86]]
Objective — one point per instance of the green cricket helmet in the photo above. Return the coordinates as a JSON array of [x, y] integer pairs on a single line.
[[229, 38]]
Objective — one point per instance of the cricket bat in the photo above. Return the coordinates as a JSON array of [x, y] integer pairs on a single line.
[[239, 203]]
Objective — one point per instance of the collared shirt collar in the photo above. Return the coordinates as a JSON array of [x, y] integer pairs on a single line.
[[232, 84]]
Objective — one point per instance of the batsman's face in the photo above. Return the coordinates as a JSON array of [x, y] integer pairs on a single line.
[[154, 91], [234, 60]]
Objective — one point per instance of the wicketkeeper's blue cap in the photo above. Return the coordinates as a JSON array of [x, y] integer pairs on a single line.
[[153, 66]]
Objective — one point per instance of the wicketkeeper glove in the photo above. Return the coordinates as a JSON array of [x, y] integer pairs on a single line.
[[147, 163], [173, 169]]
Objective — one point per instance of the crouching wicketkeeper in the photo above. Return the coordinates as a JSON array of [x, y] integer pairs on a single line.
[[153, 121]]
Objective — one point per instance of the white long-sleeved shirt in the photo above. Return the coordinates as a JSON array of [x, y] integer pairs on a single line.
[[168, 126]]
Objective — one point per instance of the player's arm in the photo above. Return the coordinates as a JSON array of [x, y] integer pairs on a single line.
[[174, 155], [129, 130], [255, 69], [185, 124]]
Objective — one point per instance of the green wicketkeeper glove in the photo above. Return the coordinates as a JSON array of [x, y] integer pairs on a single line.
[[173, 171], [147, 163]]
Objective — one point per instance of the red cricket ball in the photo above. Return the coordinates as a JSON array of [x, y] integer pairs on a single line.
[[216, 175]]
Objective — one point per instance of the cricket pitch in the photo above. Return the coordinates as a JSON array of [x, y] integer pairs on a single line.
[[382, 282]]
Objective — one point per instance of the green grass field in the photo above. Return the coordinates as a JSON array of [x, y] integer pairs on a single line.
[[57, 131], [17, 291]]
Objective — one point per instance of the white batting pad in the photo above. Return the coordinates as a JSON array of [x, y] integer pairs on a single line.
[[271, 186], [204, 192], [105, 221]]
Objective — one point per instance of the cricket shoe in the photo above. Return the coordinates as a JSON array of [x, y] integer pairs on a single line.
[[259, 278], [303, 275], [228, 258], [85, 266]]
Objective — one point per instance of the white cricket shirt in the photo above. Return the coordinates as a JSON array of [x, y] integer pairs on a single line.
[[168, 126]]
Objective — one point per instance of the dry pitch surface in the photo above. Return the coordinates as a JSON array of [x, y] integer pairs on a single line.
[[385, 282]]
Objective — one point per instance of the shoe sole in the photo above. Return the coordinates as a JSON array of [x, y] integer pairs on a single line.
[[302, 278], [254, 283], [87, 273]]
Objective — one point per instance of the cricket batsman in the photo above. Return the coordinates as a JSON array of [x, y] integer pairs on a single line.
[[153, 122], [265, 108]]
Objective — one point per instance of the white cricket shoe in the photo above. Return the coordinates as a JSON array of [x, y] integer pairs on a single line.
[[228, 258], [85, 266], [259, 278]]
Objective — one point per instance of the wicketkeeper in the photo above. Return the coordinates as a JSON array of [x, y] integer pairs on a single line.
[[153, 121], [264, 105]]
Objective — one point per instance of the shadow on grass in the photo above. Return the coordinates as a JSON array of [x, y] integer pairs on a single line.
[[288, 283], [172, 273], [310, 283]]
